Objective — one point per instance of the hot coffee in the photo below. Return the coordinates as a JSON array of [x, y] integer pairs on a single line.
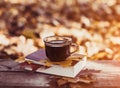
[[58, 48], [58, 51]]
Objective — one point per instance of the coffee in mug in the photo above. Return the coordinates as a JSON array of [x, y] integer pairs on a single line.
[[57, 48]]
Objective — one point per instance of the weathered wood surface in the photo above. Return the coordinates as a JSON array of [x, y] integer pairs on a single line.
[[14, 77], [109, 77]]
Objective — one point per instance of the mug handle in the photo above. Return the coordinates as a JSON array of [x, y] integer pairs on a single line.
[[75, 46]]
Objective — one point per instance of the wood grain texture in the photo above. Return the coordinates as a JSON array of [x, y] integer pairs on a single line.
[[108, 77]]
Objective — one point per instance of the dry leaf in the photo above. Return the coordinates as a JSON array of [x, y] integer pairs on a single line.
[[86, 78], [61, 82], [68, 62], [29, 33], [72, 85], [99, 55], [20, 60], [29, 62]]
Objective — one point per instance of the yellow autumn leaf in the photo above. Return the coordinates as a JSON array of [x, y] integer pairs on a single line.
[[68, 62], [62, 63], [43, 61], [29, 33], [29, 62], [20, 59], [48, 63], [65, 63], [98, 55]]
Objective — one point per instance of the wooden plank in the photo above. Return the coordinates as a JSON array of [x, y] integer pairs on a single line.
[[23, 79], [108, 77]]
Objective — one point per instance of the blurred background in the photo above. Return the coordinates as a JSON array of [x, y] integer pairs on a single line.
[[93, 24]]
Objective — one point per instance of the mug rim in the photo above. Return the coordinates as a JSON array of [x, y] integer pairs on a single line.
[[68, 38]]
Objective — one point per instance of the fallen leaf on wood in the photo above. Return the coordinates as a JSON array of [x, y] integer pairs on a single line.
[[61, 82], [20, 60]]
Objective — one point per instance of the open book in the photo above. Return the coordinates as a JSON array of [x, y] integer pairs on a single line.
[[69, 68]]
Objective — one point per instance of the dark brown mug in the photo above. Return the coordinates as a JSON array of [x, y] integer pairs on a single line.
[[58, 48]]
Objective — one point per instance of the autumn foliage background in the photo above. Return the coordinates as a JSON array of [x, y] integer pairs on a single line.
[[93, 24]]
